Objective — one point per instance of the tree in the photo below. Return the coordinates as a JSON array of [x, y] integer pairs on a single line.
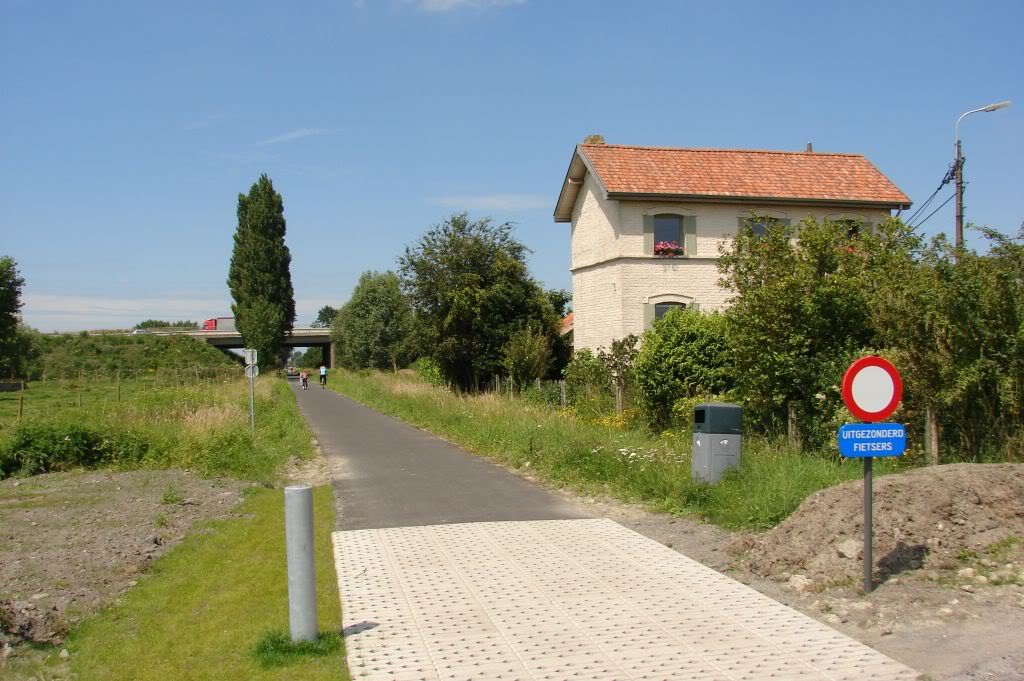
[[374, 328], [13, 339], [325, 317], [259, 276], [801, 312], [161, 324], [956, 324], [470, 288], [527, 356], [561, 349]]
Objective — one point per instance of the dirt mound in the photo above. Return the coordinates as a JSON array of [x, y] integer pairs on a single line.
[[70, 542], [929, 516]]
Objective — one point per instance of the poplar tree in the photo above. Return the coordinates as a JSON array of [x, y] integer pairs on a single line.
[[259, 276]]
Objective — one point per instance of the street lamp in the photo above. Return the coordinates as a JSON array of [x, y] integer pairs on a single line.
[[960, 170]]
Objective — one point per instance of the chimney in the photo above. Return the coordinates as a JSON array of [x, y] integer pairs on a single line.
[[593, 139], [810, 148]]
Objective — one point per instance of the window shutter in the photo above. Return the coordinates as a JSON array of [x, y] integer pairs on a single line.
[[648, 235], [648, 315], [690, 235]]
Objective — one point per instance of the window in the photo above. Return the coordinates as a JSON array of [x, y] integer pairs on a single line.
[[662, 309], [854, 226], [668, 231], [669, 234], [760, 224]]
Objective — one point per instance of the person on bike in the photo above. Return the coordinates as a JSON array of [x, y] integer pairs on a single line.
[[304, 379], [323, 376]]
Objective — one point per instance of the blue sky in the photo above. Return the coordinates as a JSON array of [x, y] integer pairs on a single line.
[[127, 129]]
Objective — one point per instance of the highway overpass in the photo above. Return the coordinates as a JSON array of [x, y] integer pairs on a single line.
[[300, 337]]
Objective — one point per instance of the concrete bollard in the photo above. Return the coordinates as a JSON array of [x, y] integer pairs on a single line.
[[298, 521]]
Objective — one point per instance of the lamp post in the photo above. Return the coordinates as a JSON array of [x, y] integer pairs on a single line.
[[960, 170]]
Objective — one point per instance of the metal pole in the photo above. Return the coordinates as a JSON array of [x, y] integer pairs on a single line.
[[298, 521], [959, 196], [867, 524], [252, 405]]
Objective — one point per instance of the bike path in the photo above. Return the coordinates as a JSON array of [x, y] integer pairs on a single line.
[[453, 569], [395, 475]]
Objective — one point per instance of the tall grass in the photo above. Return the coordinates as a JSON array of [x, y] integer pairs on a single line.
[[590, 457], [200, 427]]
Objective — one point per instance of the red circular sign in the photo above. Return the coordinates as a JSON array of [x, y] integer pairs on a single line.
[[872, 388]]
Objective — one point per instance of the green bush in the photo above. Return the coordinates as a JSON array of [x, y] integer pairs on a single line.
[[588, 384], [43, 447], [684, 355], [429, 370]]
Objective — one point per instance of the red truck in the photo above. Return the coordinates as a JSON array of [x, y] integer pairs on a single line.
[[219, 324]]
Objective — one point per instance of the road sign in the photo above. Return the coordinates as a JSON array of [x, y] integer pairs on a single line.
[[872, 388], [252, 371], [250, 355], [859, 440]]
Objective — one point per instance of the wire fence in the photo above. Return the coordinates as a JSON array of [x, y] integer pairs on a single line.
[[88, 389]]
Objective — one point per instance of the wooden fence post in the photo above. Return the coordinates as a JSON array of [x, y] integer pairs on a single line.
[[119, 385], [792, 427], [21, 401], [618, 398], [931, 435], [561, 391]]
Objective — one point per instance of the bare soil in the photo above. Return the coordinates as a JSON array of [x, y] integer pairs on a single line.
[[70, 542], [948, 556]]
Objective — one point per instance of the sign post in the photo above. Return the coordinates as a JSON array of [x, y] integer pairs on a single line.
[[872, 389], [252, 370]]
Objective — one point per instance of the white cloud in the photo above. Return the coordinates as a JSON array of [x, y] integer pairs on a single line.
[[510, 202], [450, 5], [293, 135]]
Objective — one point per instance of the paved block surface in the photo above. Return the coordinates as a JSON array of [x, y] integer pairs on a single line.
[[569, 599]]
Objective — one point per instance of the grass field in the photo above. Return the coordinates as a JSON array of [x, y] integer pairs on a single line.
[[203, 609], [588, 457], [201, 426]]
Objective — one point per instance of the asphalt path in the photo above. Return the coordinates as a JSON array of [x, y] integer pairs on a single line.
[[390, 474]]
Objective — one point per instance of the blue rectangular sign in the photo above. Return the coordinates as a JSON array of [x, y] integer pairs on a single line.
[[861, 440]]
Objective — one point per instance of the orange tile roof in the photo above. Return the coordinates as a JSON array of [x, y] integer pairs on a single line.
[[739, 173], [566, 324]]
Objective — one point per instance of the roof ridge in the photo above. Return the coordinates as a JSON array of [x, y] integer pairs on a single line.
[[718, 150]]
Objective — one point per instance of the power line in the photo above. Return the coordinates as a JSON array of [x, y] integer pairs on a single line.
[[935, 211], [946, 179]]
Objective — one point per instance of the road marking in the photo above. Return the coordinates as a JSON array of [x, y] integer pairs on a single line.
[[569, 599]]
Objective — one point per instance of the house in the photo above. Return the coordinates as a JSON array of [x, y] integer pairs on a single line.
[[647, 222]]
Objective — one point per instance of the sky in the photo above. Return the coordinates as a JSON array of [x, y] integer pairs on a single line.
[[128, 129]]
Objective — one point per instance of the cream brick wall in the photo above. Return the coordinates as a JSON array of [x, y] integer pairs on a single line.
[[593, 233], [597, 291], [613, 279]]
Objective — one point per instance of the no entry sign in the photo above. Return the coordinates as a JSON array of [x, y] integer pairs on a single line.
[[872, 389]]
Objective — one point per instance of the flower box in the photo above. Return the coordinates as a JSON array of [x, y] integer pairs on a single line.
[[668, 249]]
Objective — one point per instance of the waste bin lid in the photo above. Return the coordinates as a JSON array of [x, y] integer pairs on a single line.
[[718, 417]]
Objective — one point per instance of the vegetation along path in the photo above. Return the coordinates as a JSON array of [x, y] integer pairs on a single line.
[[452, 568]]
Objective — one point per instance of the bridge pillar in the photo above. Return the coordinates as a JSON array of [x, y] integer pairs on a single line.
[[330, 354]]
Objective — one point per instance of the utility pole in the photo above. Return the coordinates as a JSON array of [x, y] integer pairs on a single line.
[[959, 195], [960, 170]]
